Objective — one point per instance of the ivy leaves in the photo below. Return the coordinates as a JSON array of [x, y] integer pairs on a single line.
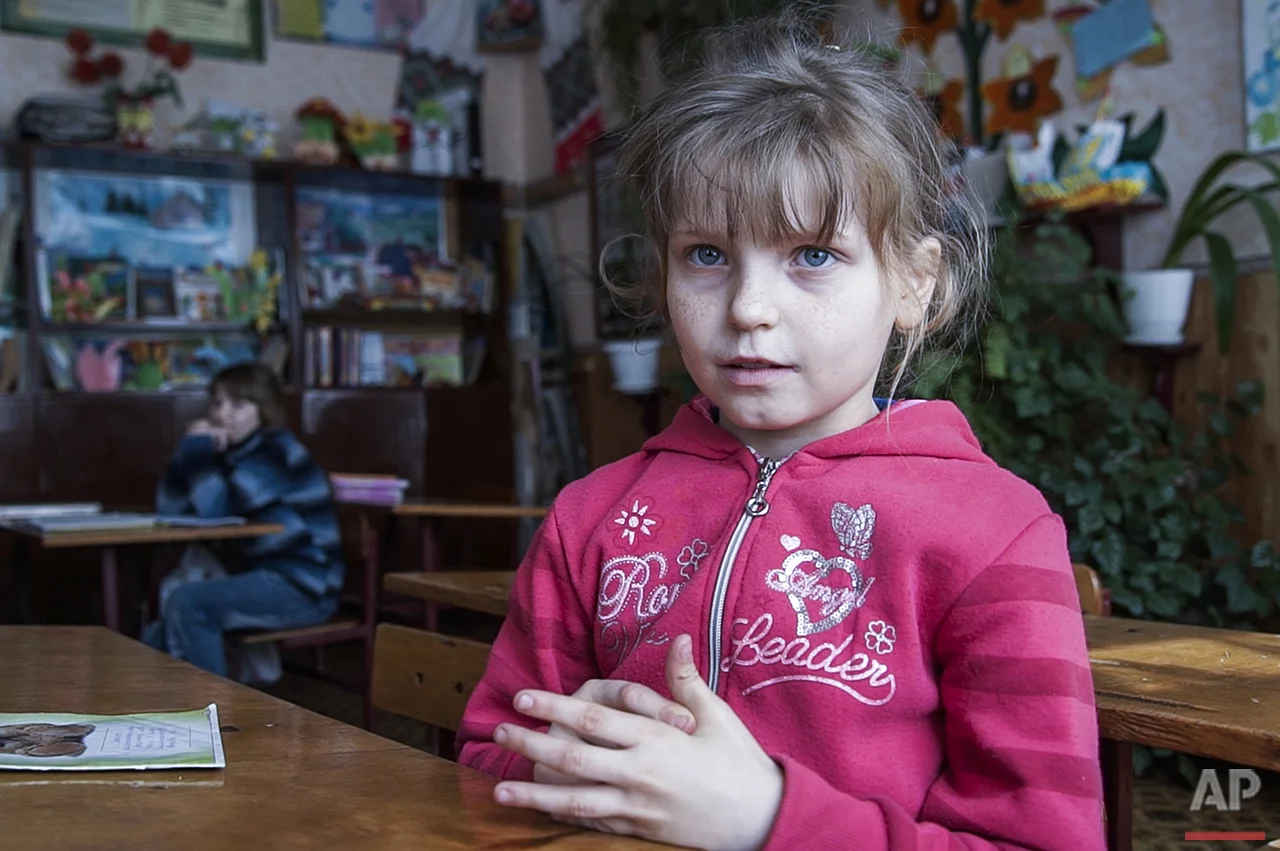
[[1142, 498]]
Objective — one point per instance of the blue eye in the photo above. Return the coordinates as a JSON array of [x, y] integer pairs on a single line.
[[814, 258], [706, 255]]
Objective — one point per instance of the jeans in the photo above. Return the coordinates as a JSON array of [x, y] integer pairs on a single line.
[[198, 613]]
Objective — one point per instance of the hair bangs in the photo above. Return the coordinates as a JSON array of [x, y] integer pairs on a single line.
[[751, 184]]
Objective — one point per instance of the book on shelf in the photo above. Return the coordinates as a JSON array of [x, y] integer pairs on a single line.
[[66, 741], [351, 357], [368, 488]]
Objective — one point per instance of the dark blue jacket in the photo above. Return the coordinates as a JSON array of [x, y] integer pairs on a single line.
[[269, 478]]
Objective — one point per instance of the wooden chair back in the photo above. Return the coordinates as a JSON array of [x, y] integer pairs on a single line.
[[1093, 597], [426, 675]]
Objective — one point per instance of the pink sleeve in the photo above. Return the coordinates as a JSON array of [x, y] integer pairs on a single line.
[[545, 643], [1020, 727]]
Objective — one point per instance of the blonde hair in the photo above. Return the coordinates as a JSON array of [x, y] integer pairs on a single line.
[[721, 149]]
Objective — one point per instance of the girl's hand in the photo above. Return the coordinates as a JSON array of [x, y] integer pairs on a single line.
[[715, 788], [624, 697], [204, 427]]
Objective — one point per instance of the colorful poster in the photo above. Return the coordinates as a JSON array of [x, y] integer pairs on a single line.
[[384, 24], [1260, 20], [365, 248]]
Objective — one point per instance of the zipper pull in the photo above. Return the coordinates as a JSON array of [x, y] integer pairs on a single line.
[[757, 505]]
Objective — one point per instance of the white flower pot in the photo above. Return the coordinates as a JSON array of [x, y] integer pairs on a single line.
[[1155, 305], [634, 364]]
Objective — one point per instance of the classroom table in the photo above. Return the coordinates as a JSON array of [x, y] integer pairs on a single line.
[[478, 590], [294, 779], [109, 541]]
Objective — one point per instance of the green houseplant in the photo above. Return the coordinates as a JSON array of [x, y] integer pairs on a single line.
[[1159, 298], [1142, 497]]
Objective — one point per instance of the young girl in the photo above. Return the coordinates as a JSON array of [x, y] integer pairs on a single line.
[[799, 618], [243, 461]]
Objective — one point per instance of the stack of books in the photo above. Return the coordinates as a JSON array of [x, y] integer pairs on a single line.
[[368, 488]]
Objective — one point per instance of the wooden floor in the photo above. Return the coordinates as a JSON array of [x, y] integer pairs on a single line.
[[1162, 805]]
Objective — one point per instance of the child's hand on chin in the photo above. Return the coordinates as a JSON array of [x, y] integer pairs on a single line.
[[219, 436], [713, 788]]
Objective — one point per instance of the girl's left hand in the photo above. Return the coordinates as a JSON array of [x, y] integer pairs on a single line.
[[715, 788]]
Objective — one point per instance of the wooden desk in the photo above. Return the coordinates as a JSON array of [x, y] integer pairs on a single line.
[[109, 541], [468, 510], [479, 590], [1195, 690], [294, 779]]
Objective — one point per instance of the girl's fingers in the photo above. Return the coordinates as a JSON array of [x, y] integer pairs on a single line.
[[591, 721], [639, 700], [574, 804], [577, 760]]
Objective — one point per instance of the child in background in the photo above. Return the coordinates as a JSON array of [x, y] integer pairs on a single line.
[[804, 616], [243, 461]]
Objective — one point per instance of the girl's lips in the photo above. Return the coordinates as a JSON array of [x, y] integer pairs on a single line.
[[753, 373]]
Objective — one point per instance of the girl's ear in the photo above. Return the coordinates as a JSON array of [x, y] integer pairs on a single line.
[[922, 274]]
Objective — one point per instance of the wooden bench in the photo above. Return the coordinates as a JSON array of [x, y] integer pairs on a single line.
[[425, 675]]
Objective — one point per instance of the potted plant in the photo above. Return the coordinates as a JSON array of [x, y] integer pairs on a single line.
[[1157, 301]]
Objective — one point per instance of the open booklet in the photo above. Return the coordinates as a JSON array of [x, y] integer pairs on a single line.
[[55, 741]]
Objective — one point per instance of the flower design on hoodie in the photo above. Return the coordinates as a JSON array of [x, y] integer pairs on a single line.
[[691, 556], [637, 520], [880, 637]]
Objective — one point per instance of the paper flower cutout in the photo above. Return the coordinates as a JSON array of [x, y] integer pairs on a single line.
[[945, 101], [924, 20], [1024, 96]]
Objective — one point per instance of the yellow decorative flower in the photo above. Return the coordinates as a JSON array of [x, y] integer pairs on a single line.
[[359, 130]]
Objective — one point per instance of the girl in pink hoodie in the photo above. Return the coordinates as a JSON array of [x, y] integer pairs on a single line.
[[800, 617]]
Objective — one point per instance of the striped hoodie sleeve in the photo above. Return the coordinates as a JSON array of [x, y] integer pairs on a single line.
[[545, 643], [1020, 726]]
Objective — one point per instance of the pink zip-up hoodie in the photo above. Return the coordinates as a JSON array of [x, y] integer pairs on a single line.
[[891, 614]]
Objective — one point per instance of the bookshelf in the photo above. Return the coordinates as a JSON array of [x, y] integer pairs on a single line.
[[70, 441], [307, 220]]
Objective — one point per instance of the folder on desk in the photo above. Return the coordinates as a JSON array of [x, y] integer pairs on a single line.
[[99, 522]]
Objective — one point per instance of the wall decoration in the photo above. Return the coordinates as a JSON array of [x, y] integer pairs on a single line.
[[374, 24], [1024, 97], [1003, 15], [973, 22], [444, 57], [923, 21], [224, 28], [1104, 34], [1260, 20], [508, 24], [946, 96]]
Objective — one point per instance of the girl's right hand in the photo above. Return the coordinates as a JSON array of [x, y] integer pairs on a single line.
[[626, 697]]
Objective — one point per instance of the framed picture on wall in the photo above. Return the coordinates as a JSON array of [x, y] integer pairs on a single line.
[[1260, 24], [230, 29], [508, 25]]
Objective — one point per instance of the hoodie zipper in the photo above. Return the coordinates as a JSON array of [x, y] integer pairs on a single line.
[[756, 506]]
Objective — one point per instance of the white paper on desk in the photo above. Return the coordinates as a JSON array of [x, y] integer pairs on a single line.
[[104, 521], [48, 509], [58, 741]]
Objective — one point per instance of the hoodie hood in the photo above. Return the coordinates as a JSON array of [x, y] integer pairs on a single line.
[[915, 427]]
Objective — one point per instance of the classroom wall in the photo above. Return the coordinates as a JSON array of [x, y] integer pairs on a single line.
[[1200, 87], [354, 79]]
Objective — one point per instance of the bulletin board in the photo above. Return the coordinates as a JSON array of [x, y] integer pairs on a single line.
[[373, 24], [231, 29]]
